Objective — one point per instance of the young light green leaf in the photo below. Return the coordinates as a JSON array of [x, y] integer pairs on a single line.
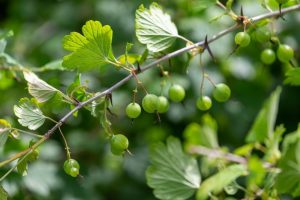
[[287, 181], [229, 4], [172, 174], [130, 58], [293, 77], [217, 182], [154, 28], [127, 58], [90, 50], [3, 194], [5, 128], [204, 135], [38, 88], [263, 126], [78, 91], [257, 172], [3, 42], [53, 65], [200, 5], [29, 114], [22, 165], [272, 153]]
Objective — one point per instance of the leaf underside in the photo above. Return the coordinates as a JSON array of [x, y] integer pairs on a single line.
[[38, 88], [29, 114], [154, 28], [173, 174]]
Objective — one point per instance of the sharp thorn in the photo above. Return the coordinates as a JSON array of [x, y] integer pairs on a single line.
[[206, 46], [242, 11]]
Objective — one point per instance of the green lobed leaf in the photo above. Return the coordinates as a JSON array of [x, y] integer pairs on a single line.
[[29, 114], [173, 174], [3, 194], [38, 88], [263, 126], [91, 50], [293, 77], [218, 181], [287, 181], [154, 28], [4, 132]]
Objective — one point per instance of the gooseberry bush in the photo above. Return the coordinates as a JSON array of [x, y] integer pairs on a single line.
[[193, 163]]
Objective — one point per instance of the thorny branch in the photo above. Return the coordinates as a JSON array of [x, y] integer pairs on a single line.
[[50, 132]]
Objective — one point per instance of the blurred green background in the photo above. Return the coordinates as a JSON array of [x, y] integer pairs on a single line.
[[39, 27]]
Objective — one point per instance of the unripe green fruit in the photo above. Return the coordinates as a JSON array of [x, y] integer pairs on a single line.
[[221, 92], [149, 103], [204, 103], [285, 53], [163, 104], [262, 34], [176, 93], [133, 110], [71, 167], [118, 144], [242, 39], [268, 56], [282, 1], [74, 171]]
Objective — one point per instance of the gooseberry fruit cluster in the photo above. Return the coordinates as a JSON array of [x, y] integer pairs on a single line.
[[221, 93], [284, 54], [152, 103], [71, 167]]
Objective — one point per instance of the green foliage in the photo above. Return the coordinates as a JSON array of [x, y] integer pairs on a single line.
[[155, 28], [172, 174], [29, 113], [204, 4], [207, 165], [204, 134], [263, 125], [257, 172], [293, 77], [217, 182], [4, 132], [22, 165], [38, 88], [3, 194], [287, 180], [91, 50]]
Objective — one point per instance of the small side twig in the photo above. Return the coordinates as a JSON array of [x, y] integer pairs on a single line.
[[216, 153]]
